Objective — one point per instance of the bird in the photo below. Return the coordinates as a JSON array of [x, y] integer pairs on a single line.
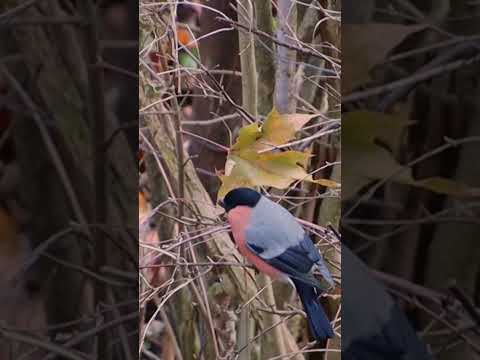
[[272, 239], [373, 326]]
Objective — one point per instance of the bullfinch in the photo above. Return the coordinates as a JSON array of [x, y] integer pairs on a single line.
[[373, 326], [276, 244]]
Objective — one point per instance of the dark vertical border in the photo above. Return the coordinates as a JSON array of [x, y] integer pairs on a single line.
[[69, 179], [410, 139]]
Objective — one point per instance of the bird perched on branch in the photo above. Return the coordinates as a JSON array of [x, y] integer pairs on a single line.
[[276, 244]]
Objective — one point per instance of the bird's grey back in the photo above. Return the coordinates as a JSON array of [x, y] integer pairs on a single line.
[[271, 222]]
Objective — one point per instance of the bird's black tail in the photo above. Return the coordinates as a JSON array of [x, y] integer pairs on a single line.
[[319, 323]]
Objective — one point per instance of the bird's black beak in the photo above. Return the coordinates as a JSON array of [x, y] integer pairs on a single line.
[[221, 203]]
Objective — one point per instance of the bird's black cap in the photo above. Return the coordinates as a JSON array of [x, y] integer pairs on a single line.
[[240, 197]]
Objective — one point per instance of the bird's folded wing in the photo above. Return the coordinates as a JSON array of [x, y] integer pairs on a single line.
[[296, 261]]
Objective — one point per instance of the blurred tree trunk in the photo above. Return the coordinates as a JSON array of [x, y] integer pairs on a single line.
[[453, 254], [235, 285], [56, 150]]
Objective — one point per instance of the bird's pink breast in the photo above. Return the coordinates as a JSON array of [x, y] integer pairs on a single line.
[[239, 219]]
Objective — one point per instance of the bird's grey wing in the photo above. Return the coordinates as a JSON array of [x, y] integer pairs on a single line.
[[297, 261], [314, 255], [275, 235]]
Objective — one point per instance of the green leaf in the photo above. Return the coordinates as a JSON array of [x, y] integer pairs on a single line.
[[247, 136], [287, 164], [186, 60]]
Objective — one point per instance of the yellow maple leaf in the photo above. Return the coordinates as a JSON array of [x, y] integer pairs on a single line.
[[254, 161]]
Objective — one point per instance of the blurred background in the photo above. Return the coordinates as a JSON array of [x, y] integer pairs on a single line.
[[410, 90], [68, 179]]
